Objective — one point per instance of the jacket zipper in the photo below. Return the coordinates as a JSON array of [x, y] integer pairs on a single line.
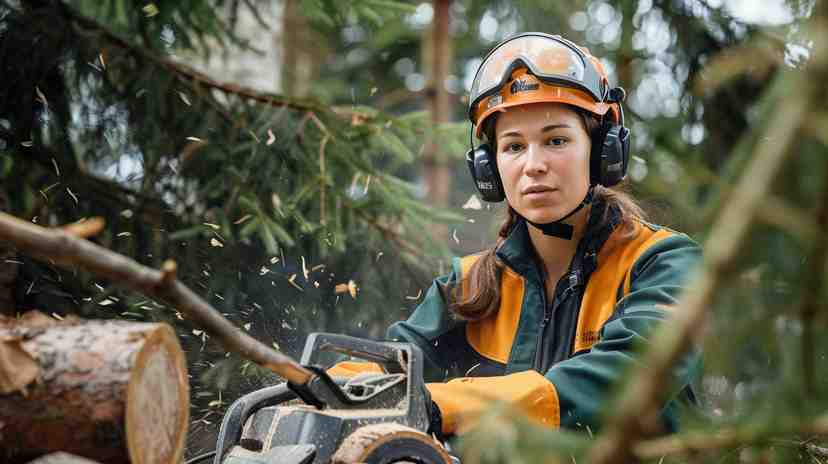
[[574, 281], [547, 316]]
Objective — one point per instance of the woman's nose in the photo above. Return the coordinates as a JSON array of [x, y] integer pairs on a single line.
[[535, 161]]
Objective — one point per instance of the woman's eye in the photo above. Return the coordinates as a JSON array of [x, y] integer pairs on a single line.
[[513, 147], [557, 141]]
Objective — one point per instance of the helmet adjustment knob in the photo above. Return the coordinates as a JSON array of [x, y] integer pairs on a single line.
[[617, 95]]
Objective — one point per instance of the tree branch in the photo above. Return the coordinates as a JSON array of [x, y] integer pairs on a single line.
[[812, 302], [696, 442], [188, 73], [641, 398], [67, 250]]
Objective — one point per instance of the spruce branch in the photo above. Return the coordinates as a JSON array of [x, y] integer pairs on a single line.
[[386, 231], [64, 249], [642, 396], [728, 438], [812, 301], [187, 73]]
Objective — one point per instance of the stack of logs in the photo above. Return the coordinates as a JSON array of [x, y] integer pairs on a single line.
[[107, 391]]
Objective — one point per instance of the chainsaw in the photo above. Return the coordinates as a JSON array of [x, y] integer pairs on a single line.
[[374, 418]]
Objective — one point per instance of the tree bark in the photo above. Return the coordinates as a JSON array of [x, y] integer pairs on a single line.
[[111, 391], [301, 51], [436, 168]]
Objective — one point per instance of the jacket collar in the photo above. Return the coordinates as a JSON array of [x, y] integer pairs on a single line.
[[518, 253]]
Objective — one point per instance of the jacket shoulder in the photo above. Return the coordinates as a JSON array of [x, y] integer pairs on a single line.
[[621, 261]]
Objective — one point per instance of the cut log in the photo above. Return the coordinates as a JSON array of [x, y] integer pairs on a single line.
[[111, 391]]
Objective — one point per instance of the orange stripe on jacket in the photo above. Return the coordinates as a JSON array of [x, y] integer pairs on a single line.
[[615, 261], [492, 337]]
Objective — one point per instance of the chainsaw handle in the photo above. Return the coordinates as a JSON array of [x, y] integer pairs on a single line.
[[241, 409], [394, 357], [391, 358]]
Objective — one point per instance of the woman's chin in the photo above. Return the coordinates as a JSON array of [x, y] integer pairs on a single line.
[[543, 216]]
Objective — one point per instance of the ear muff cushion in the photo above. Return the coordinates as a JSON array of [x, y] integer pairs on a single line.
[[595, 155], [609, 155], [483, 169]]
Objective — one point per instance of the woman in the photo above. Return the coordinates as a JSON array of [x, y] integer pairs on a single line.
[[550, 316]]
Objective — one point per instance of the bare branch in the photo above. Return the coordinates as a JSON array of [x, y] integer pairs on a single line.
[[812, 302], [85, 229], [67, 250], [643, 395], [699, 442]]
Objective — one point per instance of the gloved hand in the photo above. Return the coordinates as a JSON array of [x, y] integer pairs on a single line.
[[435, 417], [460, 402]]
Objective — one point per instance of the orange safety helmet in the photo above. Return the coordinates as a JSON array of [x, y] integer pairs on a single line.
[[534, 67]]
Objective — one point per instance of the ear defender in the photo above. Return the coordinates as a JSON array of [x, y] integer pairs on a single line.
[[483, 169], [610, 155]]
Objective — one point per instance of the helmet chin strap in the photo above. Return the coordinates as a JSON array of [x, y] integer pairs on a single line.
[[558, 228]]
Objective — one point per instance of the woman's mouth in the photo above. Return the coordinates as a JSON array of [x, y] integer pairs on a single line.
[[537, 191]]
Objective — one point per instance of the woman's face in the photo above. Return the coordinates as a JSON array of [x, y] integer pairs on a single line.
[[543, 158]]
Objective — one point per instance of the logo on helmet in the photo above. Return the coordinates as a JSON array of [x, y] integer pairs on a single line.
[[494, 101], [524, 85], [485, 185]]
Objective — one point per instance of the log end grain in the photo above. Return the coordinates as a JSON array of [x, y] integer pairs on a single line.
[[158, 399]]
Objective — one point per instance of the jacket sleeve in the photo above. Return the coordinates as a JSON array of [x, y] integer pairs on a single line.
[[657, 279], [429, 325]]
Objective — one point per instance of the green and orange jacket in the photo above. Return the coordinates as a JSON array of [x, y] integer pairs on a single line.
[[559, 355]]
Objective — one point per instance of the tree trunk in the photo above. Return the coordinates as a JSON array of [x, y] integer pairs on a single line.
[[112, 391], [437, 172], [301, 51]]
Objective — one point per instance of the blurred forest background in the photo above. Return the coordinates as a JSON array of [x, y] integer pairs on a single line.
[[279, 149]]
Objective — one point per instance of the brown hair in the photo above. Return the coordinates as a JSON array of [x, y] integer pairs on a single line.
[[483, 299]]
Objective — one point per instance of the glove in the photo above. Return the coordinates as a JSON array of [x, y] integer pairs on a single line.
[[435, 417], [460, 402]]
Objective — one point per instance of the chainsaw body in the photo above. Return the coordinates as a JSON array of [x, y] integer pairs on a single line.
[[318, 423]]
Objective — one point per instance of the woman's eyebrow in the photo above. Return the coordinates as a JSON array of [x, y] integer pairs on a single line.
[[545, 129], [555, 126], [509, 134]]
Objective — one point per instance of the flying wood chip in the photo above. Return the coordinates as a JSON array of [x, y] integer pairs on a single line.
[[17, 367], [473, 203], [242, 219], [350, 288], [292, 281], [150, 10]]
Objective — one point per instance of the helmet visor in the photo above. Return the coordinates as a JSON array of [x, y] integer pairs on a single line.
[[547, 57]]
